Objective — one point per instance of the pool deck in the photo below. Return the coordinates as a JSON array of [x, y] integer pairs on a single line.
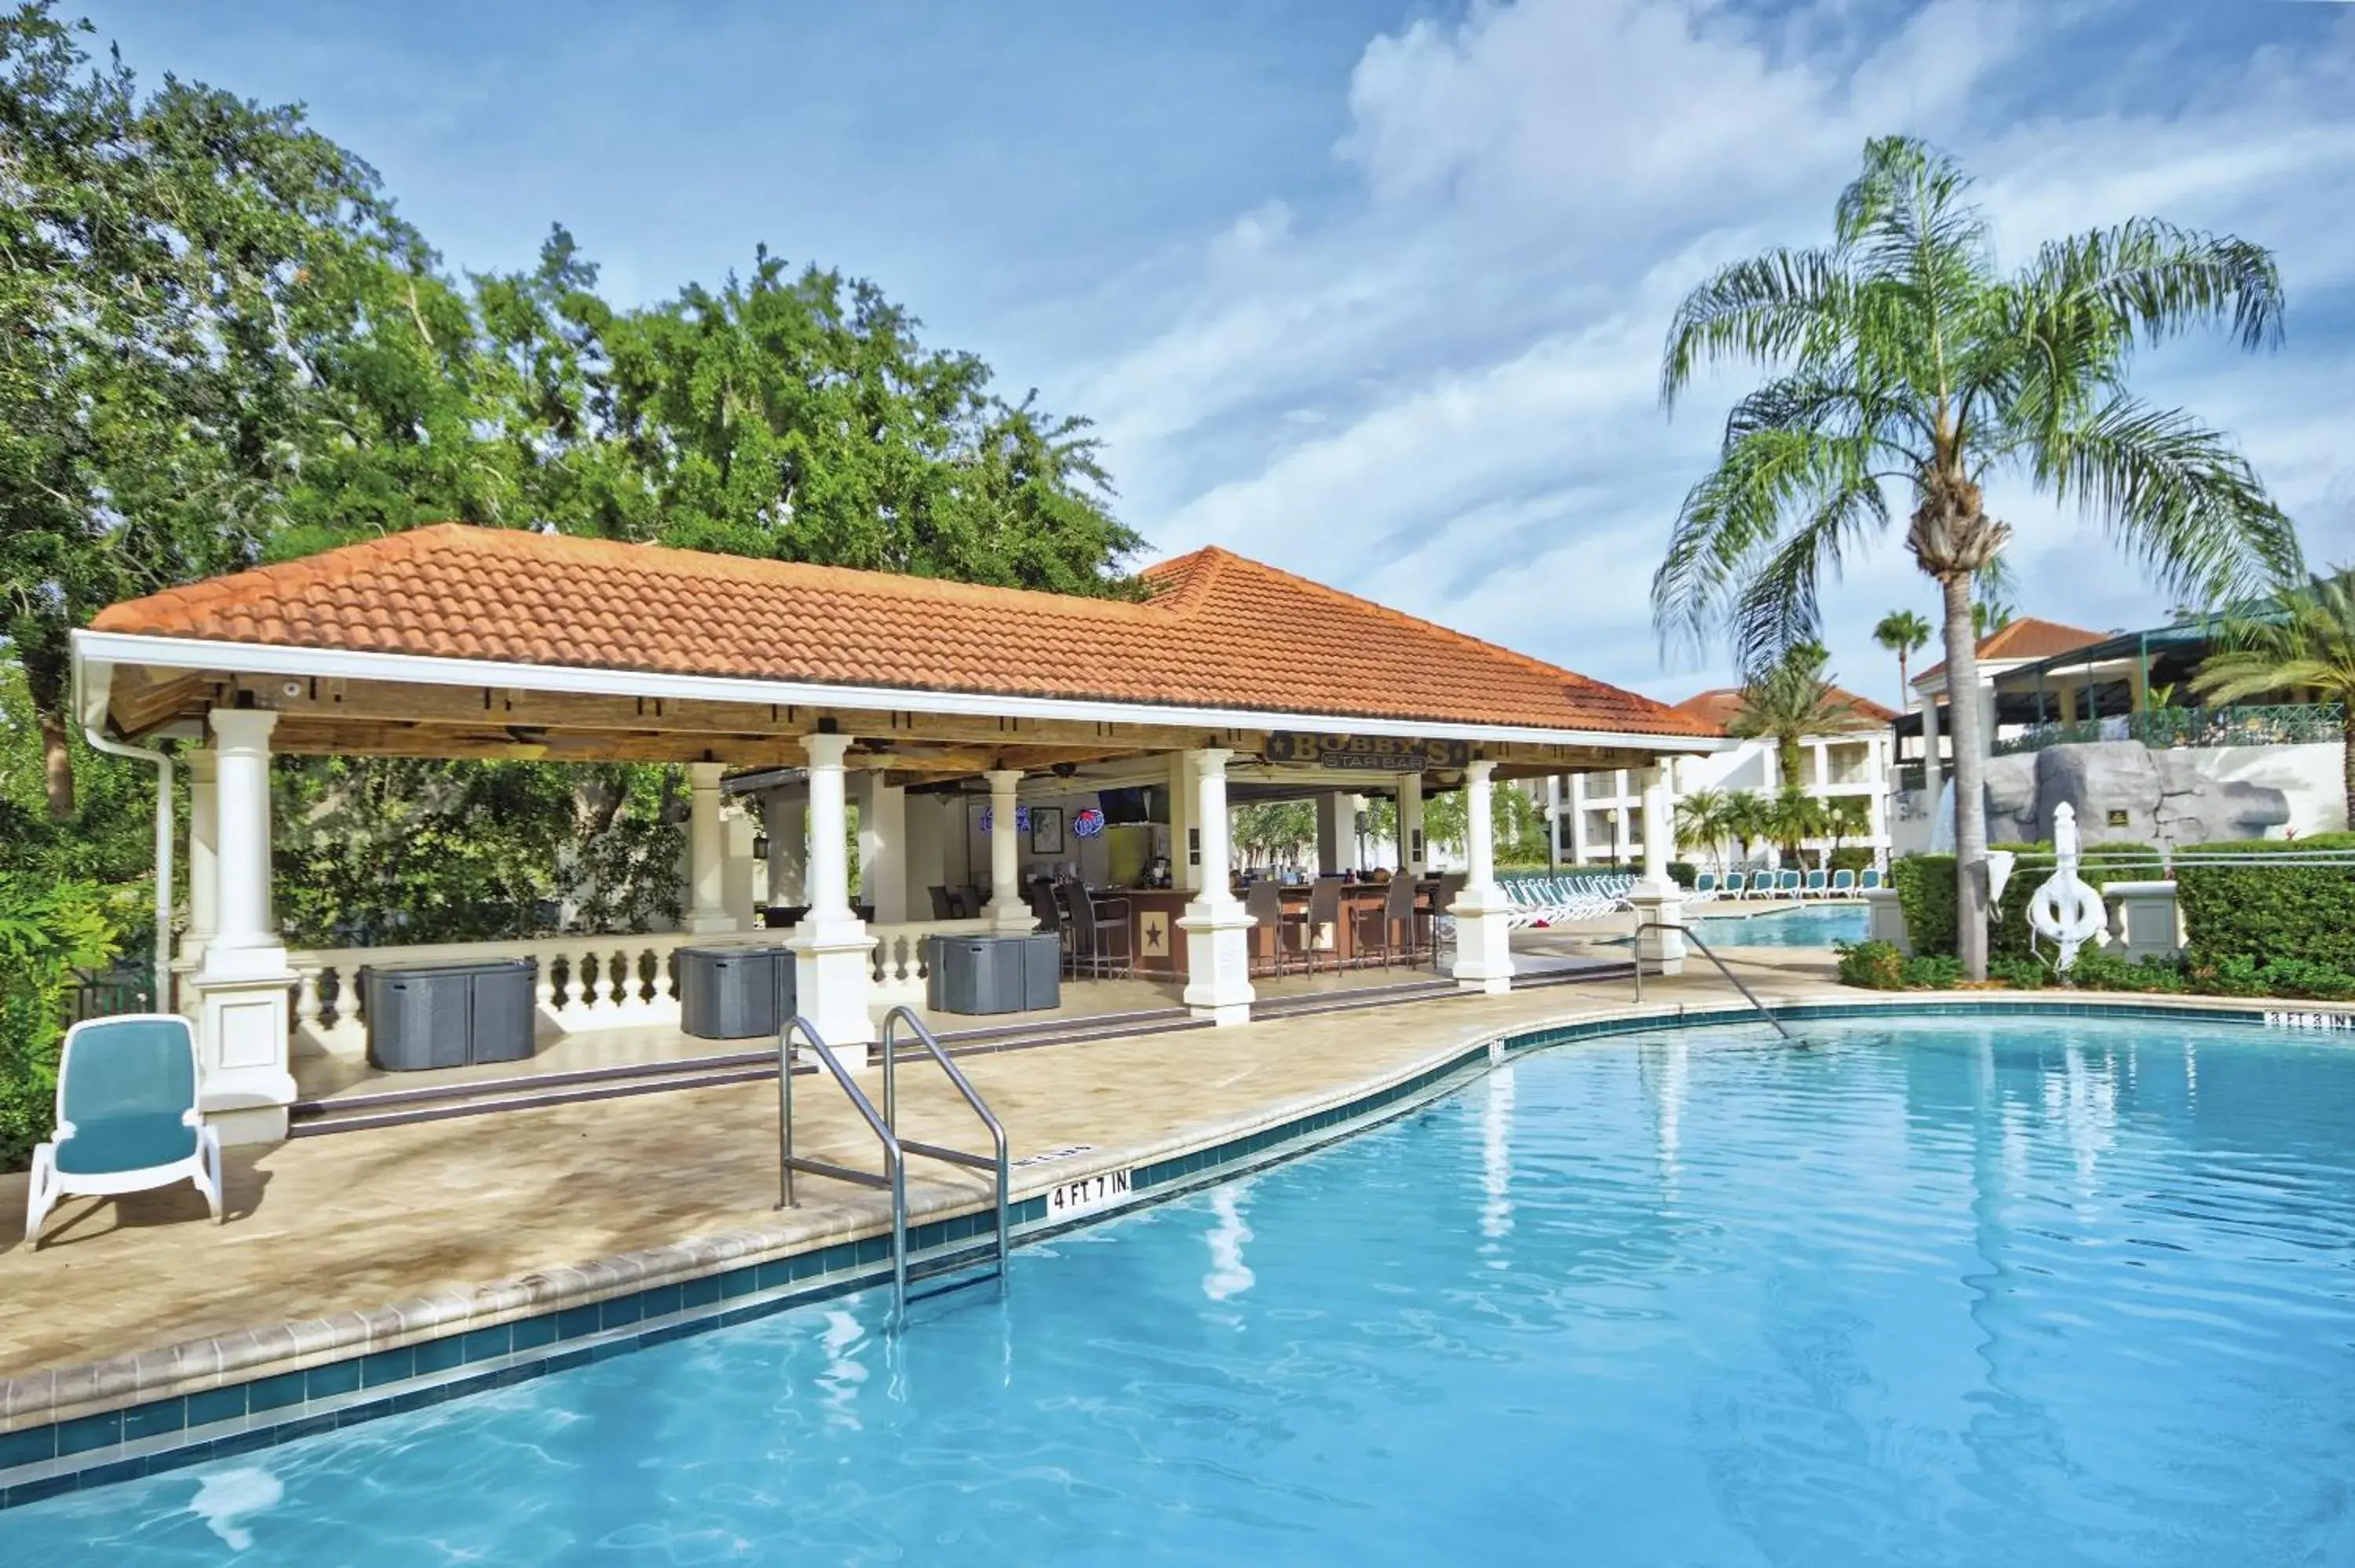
[[374, 1239]]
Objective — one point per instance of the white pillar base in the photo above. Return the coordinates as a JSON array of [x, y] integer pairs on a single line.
[[1016, 921], [1663, 951], [1217, 960], [833, 980], [1484, 940], [242, 1033]]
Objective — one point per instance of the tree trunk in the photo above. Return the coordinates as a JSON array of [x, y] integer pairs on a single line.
[[57, 766], [1904, 686], [1793, 762], [2346, 758], [1965, 726]]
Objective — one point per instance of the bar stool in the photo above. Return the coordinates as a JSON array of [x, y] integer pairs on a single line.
[[1393, 923], [1264, 902], [1324, 909]]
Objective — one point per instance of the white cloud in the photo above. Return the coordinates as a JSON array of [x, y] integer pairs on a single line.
[[1443, 395]]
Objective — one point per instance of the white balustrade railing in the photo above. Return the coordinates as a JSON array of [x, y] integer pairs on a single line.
[[583, 982]]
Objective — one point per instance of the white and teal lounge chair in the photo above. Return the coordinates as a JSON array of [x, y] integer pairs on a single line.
[[1704, 887], [1843, 884], [1869, 880], [1817, 886], [1736, 884], [127, 1118]]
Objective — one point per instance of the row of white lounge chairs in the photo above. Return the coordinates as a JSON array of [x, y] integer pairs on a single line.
[[1708, 887], [1548, 900], [1551, 900]]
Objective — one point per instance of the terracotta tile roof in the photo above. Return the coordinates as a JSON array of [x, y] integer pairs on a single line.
[[1717, 708], [1216, 630], [2024, 641]]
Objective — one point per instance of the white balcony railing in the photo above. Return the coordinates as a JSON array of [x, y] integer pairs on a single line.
[[584, 982]]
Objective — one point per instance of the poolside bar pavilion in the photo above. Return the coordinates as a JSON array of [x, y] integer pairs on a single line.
[[939, 703]]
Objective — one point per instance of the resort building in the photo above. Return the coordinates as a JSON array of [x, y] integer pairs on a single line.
[[1598, 816], [2137, 753], [1017, 756]]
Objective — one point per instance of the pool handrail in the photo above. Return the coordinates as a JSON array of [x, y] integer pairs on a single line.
[[1686, 931], [894, 1176], [994, 1163]]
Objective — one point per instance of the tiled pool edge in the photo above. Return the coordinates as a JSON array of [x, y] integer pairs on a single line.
[[182, 1429]]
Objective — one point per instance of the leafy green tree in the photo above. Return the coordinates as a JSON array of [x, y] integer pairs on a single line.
[[1904, 357], [1274, 833], [49, 929], [798, 415], [157, 248], [380, 850], [2302, 639], [1787, 702], [1904, 634]]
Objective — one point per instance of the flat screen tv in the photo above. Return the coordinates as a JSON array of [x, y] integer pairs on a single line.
[[1125, 805]]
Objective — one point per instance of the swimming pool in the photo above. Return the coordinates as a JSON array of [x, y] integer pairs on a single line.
[[1809, 925], [2026, 1290]]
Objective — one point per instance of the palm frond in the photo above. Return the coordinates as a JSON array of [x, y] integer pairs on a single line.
[[1769, 308], [2176, 496], [2156, 280], [1779, 607], [1735, 517]]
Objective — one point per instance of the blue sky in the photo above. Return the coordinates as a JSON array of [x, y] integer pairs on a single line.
[[1370, 288]]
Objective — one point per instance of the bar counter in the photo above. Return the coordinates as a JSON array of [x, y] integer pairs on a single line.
[[1159, 945]]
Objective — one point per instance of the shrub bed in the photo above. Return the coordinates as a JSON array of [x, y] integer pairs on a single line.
[[1925, 892], [1876, 966], [2255, 915], [48, 930]]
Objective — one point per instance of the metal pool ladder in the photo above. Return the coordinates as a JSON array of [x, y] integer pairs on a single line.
[[893, 1178], [1636, 953]]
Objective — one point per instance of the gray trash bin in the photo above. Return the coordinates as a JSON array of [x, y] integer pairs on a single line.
[[735, 993], [995, 974], [452, 1015]]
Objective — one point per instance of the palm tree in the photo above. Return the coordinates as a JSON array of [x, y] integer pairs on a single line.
[[2305, 637], [1901, 356], [1703, 819], [1789, 701], [1989, 613], [1792, 817], [1901, 632]]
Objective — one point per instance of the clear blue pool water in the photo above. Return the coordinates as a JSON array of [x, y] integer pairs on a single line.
[[2028, 1293], [1809, 925]]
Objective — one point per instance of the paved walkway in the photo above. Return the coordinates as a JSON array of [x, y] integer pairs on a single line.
[[360, 1221]]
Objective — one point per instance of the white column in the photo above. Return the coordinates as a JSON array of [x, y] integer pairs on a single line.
[[1484, 956], [924, 856], [883, 848], [784, 812], [1932, 780], [831, 945], [1337, 833], [1409, 823], [1185, 861], [707, 853], [204, 856], [242, 942], [1007, 911], [1218, 932], [1656, 896], [240, 989], [737, 866]]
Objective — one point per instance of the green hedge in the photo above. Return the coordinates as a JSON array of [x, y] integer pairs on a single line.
[[1925, 892], [48, 930], [2239, 915]]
